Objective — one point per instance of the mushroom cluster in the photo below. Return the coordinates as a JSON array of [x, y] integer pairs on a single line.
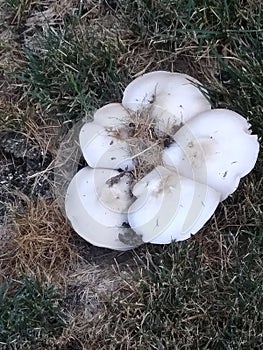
[[159, 163]]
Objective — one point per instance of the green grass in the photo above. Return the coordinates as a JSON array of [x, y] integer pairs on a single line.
[[243, 89], [30, 314], [18, 5], [75, 72], [79, 66], [175, 22], [186, 299]]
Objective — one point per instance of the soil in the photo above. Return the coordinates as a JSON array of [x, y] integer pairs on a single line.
[[22, 172]]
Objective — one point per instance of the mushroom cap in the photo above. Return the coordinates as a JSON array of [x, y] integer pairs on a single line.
[[170, 207], [96, 204], [174, 98], [215, 148], [111, 115], [102, 141]]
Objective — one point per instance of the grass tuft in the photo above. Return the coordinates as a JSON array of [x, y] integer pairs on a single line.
[[30, 314]]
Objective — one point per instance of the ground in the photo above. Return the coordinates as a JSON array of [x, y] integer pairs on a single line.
[[59, 61]]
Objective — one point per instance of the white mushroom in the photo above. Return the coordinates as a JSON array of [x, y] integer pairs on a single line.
[[96, 204], [103, 141], [170, 207], [215, 148], [174, 98], [164, 123]]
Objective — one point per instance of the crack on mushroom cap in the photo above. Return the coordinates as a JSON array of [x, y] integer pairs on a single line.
[[116, 179]]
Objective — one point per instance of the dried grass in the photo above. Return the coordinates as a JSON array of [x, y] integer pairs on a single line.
[[11, 54], [145, 142], [41, 131], [42, 244], [90, 286], [12, 58], [10, 114], [50, 13], [145, 146], [91, 289]]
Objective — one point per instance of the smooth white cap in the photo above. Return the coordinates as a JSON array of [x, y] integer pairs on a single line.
[[174, 98], [97, 206], [215, 148], [111, 115], [170, 207], [103, 141]]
